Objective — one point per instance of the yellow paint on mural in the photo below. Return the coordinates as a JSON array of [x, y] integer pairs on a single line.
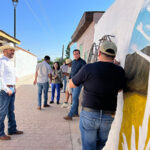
[[133, 113]]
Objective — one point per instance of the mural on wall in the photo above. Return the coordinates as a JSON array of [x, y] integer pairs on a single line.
[[135, 128]]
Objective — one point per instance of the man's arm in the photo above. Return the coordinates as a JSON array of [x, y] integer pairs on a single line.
[[78, 79], [4, 86], [35, 80], [50, 77], [71, 84]]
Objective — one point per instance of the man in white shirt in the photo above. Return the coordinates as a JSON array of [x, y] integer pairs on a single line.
[[7, 91], [42, 75]]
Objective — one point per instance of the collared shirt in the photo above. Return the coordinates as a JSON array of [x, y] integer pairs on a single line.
[[7, 73], [76, 66], [43, 70], [64, 68]]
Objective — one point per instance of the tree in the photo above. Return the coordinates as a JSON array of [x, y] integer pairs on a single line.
[[68, 51], [59, 59]]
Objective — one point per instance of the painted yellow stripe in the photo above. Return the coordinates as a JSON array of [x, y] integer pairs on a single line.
[[4, 35], [133, 114]]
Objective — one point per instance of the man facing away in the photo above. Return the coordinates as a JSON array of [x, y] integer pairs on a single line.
[[77, 64], [7, 91], [42, 75], [102, 81]]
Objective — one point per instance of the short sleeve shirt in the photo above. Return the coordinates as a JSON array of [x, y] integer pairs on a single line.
[[43, 70], [101, 81]]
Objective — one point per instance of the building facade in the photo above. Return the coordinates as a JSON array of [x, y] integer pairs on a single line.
[[84, 33], [25, 62]]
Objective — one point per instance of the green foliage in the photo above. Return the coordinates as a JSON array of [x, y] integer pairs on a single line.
[[59, 59], [51, 62], [68, 51]]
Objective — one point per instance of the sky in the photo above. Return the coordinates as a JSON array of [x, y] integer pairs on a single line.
[[44, 26]]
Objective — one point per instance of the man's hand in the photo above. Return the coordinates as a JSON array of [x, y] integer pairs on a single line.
[[35, 82], [50, 81], [55, 76], [9, 92]]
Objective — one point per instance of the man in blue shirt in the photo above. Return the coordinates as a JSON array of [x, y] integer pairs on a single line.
[[77, 64]]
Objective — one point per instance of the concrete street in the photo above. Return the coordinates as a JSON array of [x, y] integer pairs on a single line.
[[45, 129]]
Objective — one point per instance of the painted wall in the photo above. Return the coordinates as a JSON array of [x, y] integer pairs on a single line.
[[25, 63], [131, 125]]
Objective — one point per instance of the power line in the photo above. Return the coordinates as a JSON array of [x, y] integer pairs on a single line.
[[33, 13], [43, 12]]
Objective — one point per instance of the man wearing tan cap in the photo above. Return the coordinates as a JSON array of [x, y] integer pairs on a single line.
[[7, 91], [102, 81]]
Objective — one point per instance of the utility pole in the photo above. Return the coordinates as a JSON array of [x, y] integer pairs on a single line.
[[62, 53], [15, 2]]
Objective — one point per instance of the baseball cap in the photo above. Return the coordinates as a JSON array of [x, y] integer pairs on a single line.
[[108, 48]]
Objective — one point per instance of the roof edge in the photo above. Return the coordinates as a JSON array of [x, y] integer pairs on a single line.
[[9, 37]]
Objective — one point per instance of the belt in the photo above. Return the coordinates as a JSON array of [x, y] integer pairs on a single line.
[[10, 86], [95, 110]]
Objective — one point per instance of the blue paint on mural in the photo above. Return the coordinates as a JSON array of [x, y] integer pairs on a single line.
[[141, 32]]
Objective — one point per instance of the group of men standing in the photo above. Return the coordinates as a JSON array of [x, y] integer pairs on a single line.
[[101, 83]]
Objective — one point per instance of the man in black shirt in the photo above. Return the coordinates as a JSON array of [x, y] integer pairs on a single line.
[[77, 64], [102, 81]]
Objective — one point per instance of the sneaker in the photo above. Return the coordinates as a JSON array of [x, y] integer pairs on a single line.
[[51, 102], [69, 107], [57, 102], [68, 118], [64, 105]]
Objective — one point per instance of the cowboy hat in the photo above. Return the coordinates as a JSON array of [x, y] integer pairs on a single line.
[[68, 61], [7, 46]]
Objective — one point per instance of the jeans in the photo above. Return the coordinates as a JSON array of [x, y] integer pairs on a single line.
[[64, 83], [57, 86], [42, 86], [94, 128], [7, 108], [75, 101]]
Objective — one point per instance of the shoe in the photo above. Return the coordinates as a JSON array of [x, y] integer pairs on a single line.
[[51, 102], [16, 133], [68, 118], [57, 102], [64, 105], [46, 105], [38, 108], [76, 116], [5, 137]]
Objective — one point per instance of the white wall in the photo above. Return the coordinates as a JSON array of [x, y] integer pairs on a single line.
[[25, 63]]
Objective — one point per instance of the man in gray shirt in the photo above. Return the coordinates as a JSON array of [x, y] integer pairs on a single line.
[[42, 75]]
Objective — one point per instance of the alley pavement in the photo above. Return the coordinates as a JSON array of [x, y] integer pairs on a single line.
[[43, 129]]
